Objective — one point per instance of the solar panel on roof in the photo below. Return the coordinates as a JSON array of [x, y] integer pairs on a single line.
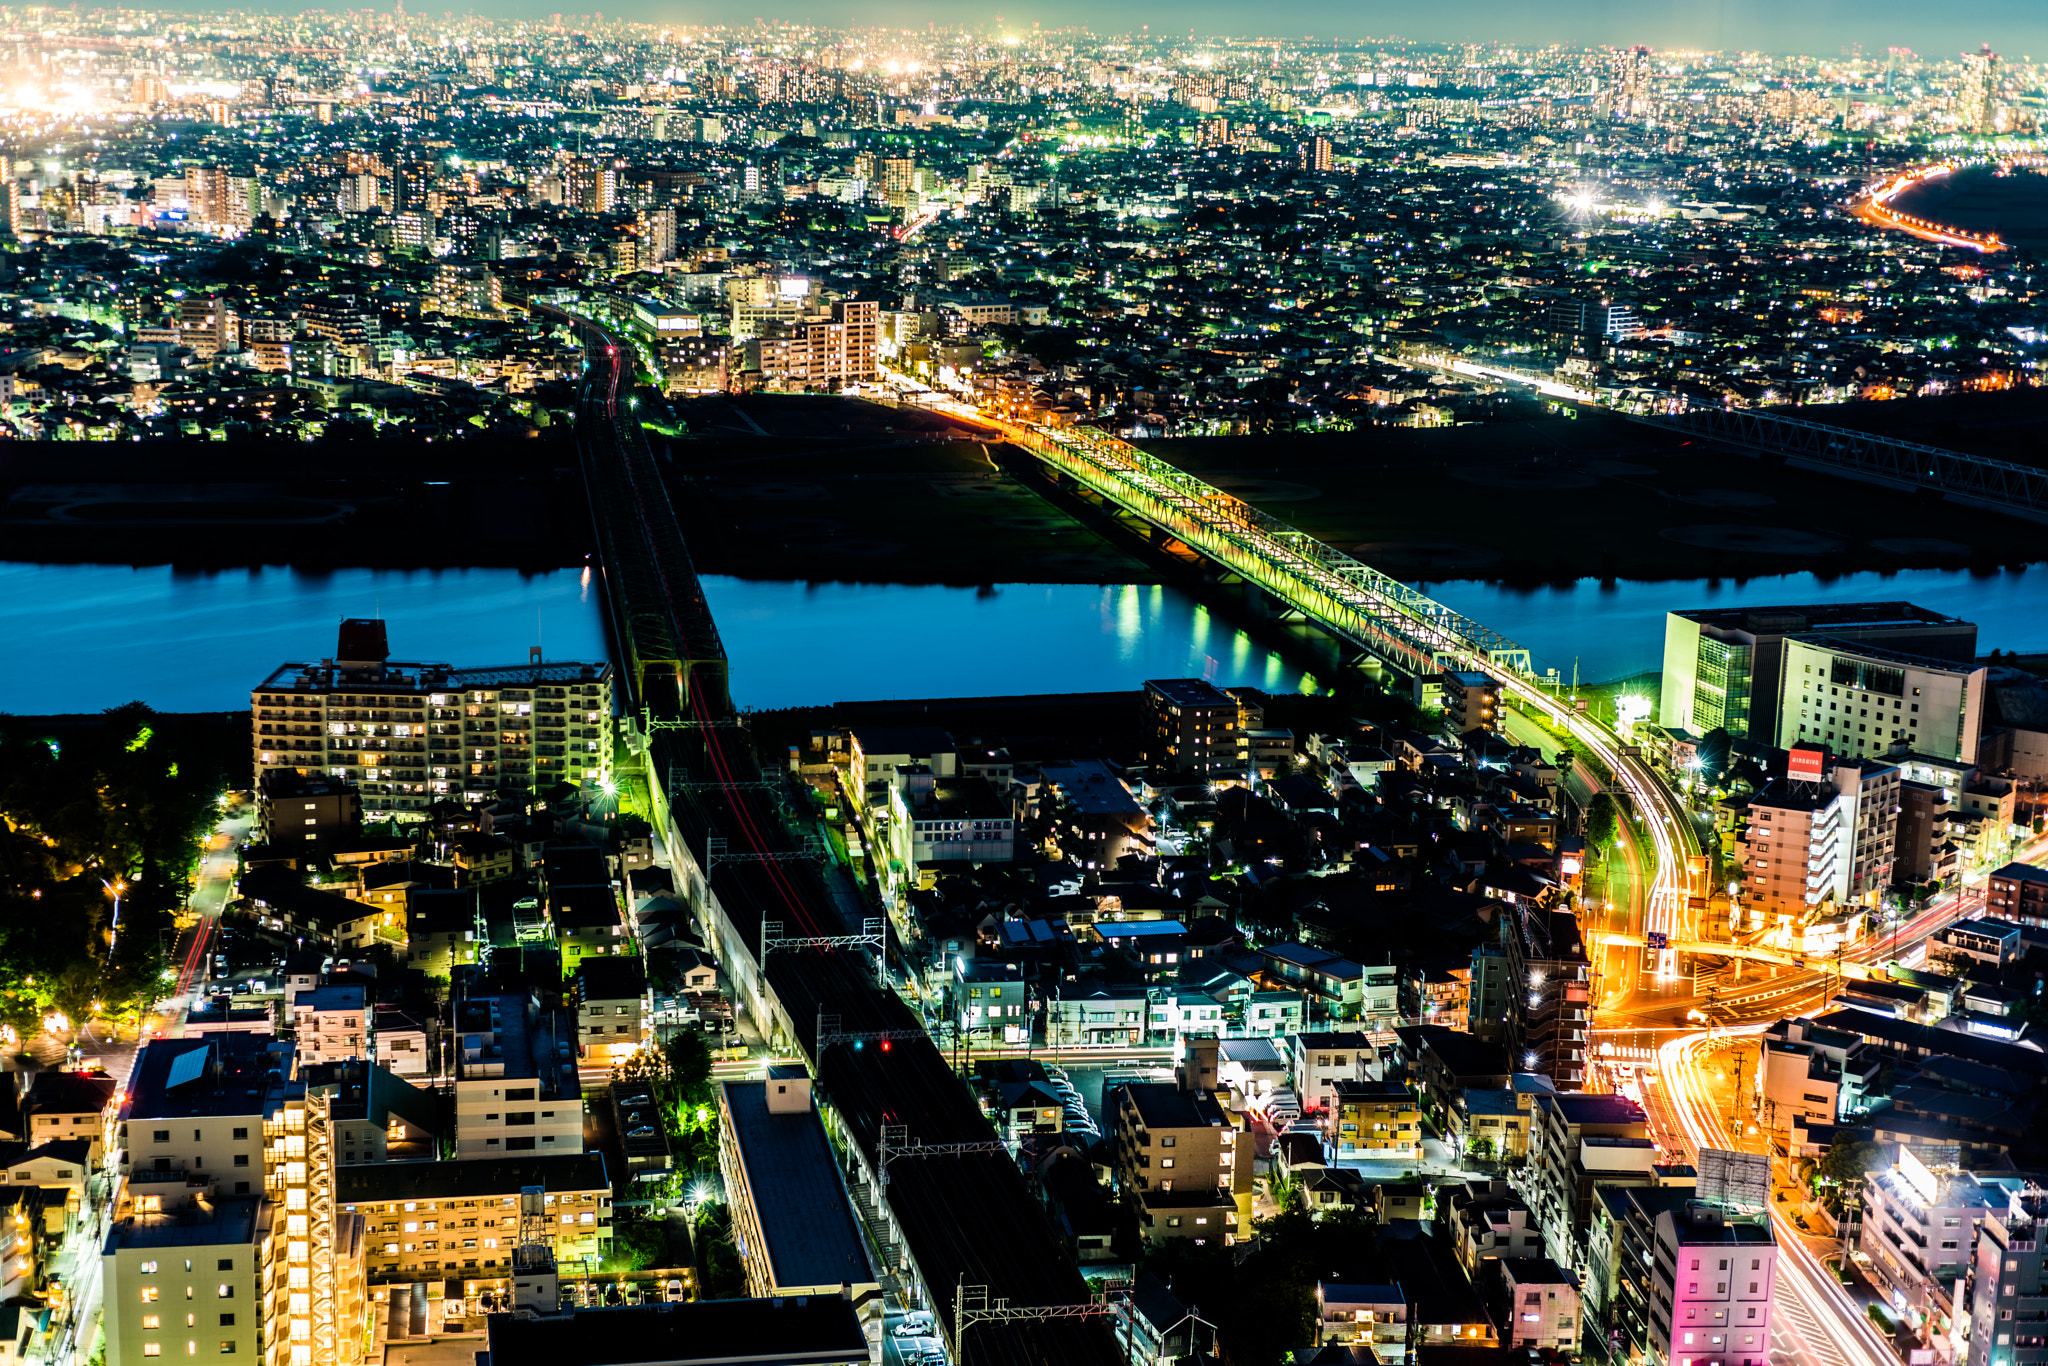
[[187, 1067]]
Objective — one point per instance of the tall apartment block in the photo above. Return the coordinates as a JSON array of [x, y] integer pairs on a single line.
[[1722, 667], [407, 735], [1549, 994], [1191, 727], [1789, 850]]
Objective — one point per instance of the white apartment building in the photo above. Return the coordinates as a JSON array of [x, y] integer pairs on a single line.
[[1858, 700], [1919, 1230], [516, 1084], [334, 1023], [411, 734]]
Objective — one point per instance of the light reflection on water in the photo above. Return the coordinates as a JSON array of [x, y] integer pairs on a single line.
[[794, 644]]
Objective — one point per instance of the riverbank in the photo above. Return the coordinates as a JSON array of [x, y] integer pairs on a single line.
[[1526, 503], [370, 504]]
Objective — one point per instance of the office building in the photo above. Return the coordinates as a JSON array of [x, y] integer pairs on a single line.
[[517, 1089], [1190, 727], [1722, 666], [1862, 700], [406, 735]]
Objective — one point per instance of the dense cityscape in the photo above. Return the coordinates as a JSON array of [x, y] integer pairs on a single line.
[[1388, 989]]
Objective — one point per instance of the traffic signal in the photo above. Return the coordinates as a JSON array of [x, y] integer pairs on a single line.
[[885, 1045], [859, 1044]]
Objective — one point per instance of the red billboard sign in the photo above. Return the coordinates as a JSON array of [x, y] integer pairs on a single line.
[[1807, 765]]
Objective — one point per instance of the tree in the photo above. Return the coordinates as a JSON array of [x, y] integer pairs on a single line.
[[1602, 818]]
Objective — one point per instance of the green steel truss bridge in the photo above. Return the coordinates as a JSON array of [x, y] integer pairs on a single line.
[[1381, 615], [2000, 485]]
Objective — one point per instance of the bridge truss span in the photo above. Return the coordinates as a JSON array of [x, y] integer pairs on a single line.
[[2018, 490], [1392, 620]]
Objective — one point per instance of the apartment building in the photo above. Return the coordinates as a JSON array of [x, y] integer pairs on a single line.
[[194, 1115], [516, 1084], [307, 812], [408, 734], [334, 1023], [1191, 726], [1723, 668], [795, 1228], [1581, 1140], [1471, 702], [2009, 1280], [611, 1008], [1485, 1219], [186, 1281], [1540, 1306], [1860, 700], [1548, 994], [1377, 1120], [1790, 852], [461, 1220], [1179, 1156], [1712, 1288], [1867, 837], [1919, 1229], [827, 350], [2018, 894], [1319, 1059]]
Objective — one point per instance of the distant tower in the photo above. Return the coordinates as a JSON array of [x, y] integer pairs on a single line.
[[1628, 82], [1977, 101]]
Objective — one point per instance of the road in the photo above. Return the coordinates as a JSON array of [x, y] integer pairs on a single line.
[[1814, 1320], [79, 1259]]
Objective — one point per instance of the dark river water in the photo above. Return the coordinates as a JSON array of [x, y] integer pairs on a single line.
[[2013, 205], [84, 637]]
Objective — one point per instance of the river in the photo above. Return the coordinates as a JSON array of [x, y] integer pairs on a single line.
[[84, 637], [2013, 204]]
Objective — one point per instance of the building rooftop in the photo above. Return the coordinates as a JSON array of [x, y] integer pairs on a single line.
[[806, 1223], [1818, 617], [1190, 692], [1163, 1105], [1092, 789], [816, 1330], [389, 1181], [224, 1073], [197, 1223], [1866, 650]]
